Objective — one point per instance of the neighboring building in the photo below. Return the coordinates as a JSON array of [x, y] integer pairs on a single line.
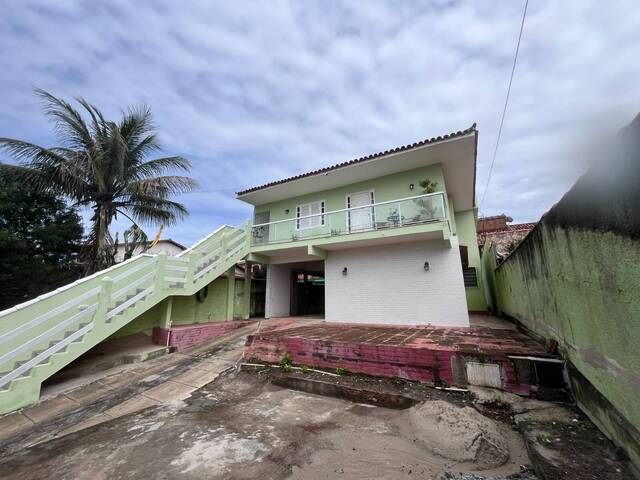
[[168, 246], [505, 237], [360, 242]]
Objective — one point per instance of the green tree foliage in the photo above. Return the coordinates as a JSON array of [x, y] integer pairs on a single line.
[[40, 237], [104, 166]]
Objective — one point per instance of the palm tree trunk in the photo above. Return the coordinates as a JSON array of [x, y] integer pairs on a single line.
[[99, 252]]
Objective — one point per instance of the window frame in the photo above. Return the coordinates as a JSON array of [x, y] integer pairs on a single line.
[[321, 214]]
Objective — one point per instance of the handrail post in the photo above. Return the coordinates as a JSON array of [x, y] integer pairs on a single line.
[[223, 246], [104, 298], [191, 268], [160, 269], [247, 229]]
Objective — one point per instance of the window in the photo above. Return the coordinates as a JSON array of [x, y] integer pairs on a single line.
[[470, 277], [314, 208]]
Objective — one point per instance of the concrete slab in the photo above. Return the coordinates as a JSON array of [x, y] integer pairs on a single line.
[[12, 423], [114, 382], [197, 377], [90, 422], [88, 393], [107, 355], [169, 391], [135, 404], [49, 409], [427, 354], [214, 365]]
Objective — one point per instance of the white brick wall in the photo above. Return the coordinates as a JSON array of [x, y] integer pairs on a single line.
[[278, 294], [388, 284]]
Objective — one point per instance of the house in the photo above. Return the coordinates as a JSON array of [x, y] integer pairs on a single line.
[[358, 242], [361, 242], [498, 231], [167, 245]]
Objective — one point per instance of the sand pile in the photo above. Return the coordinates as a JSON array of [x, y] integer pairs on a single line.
[[459, 433]]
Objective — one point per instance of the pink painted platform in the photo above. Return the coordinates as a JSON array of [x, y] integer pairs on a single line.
[[182, 337], [433, 355]]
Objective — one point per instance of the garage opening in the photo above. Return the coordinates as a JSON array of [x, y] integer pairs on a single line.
[[307, 293]]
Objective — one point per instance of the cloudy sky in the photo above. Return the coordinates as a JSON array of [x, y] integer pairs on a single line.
[[256, 91]]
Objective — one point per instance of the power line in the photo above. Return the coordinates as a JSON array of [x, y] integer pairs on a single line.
[[506, 102]]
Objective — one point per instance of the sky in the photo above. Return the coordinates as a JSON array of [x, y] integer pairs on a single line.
[[251, 92]]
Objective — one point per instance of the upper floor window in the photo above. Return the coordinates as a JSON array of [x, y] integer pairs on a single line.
[[313, 208]]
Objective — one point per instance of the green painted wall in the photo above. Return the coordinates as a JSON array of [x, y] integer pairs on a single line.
[[466, 230], [187, 309], [582, 289], [144, 323], [576, 279], [385, 188]]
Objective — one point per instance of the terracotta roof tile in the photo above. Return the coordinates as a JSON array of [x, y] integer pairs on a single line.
[[403, 148]]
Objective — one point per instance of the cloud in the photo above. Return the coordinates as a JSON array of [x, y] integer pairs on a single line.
[[255, 91]]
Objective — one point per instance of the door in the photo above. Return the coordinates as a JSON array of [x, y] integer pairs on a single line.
[[260, 234], [360, 218]]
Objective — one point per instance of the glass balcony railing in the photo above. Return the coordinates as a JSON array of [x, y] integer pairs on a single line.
[[404, 212]]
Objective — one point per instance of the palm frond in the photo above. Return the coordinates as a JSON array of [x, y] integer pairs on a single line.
[[158, 166], [69, 126], [161, 187]]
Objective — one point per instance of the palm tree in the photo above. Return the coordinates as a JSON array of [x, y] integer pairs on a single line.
[[103, 165]]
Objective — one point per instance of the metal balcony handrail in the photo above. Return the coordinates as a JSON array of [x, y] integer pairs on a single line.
[[388, 202]]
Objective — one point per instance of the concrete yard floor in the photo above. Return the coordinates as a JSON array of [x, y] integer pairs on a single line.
[[240, 426], [79, 403], [197, 416]]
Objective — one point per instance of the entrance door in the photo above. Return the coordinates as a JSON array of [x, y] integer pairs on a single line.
[[261, 234], [360, 218], [307, 296]]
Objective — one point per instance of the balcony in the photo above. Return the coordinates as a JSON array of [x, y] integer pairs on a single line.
[[366, 221]]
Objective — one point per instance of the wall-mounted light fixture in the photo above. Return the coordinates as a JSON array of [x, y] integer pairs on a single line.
[[411, 186], [344, 271], [286, 211], [426, 266]]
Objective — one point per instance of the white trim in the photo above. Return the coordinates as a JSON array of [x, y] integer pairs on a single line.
[[128, 303], [175, 268], [47, 334], [71, 285], [34, 362], [322, 214], [535, 359], [131, 286], [50, 314], [135, 269], [175, 279], [200, 242]]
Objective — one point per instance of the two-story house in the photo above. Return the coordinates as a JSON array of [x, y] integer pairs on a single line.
[[389, 238]]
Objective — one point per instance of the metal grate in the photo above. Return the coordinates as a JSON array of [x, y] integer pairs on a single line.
[[470, 277]]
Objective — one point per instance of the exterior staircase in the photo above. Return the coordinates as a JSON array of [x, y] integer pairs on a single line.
[[41, 336]]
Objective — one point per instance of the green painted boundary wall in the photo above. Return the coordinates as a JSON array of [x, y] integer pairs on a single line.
[[576, 279]]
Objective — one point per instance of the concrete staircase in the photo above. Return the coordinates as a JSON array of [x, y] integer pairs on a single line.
[[39, 337]]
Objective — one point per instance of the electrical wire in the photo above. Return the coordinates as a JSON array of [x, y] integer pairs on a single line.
[[506, 103]]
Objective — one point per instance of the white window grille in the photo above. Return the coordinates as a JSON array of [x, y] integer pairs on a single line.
[[314, 208]]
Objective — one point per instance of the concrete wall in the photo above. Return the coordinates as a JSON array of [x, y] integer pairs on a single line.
[[466, 231], [188, 310], [388, 284], [576, 279], [278, 294]]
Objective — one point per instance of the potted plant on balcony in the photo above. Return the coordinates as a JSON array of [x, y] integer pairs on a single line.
[[426, 205]]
